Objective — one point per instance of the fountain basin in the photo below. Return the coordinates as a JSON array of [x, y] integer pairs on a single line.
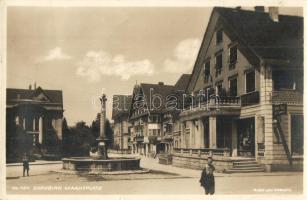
[[99, 165]]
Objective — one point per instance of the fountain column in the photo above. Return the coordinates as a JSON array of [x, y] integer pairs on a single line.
[[102, 150]]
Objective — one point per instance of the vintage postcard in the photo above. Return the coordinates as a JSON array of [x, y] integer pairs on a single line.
[[162, 99]]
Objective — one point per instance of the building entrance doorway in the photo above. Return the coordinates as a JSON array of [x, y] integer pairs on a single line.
[[246, 137], [223, 132], [297, 134]]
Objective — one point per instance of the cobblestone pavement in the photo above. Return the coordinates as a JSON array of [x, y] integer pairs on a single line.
[[46, 179]]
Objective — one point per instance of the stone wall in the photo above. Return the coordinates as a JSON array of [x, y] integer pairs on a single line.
[[220, 163]]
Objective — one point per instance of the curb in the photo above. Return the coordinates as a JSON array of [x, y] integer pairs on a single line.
[[34, 163], [72, 172]]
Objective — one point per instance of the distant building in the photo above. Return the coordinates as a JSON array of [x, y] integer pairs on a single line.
[[120, 112], [151, 117], [171, 122], [34, 121]]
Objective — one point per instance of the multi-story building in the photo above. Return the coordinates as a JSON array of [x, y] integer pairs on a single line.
[[247, 92], [33, 121], [120, 112], [171, 123], [148, 114]]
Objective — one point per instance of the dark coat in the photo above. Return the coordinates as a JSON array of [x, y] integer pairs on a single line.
[[25, 161], [207, 179]]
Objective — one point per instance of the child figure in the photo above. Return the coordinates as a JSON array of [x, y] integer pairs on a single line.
[[25, 161]]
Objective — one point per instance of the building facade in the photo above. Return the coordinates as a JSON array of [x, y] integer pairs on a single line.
[[33, 121], [152, 117], [246, 92], [121, 125]]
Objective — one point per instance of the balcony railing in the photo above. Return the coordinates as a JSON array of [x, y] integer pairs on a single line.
[[216, 102], [32, 132], [287, 96], [202, 152], [251, 98], [227, 100], [139, 138]]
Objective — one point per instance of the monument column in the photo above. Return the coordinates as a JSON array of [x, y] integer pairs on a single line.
[[102, 150]]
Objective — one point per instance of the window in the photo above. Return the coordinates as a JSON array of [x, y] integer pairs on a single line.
[[168, 128], [232, 57], [154, 119], [219, 36], [287, 80], [233, 91], [207, 71], [219, 89], [250, 81], [218, 64]]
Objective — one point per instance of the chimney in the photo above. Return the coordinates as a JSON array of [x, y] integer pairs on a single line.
[[30, 87], [160, 83], [259, 9], [34, 85], [273, 12]]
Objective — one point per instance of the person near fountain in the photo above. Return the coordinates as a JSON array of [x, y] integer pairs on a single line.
[[25, 161], [207, 177]]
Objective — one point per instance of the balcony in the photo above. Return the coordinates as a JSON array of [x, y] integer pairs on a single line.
[[153, 139], [226, 105], [287, 97], [216, 103], [251, 98], [167, 138], [224, 101], [139, 138]]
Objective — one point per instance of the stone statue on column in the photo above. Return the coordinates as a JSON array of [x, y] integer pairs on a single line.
[[102, 150]]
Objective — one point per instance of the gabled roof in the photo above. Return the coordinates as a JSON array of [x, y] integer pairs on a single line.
[[13, 94], [183, 82], [258, 35], [152, 94], [282, 40], [121, 105], [151, 90]]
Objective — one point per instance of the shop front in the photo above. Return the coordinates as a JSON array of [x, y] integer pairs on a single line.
[[246, 137]]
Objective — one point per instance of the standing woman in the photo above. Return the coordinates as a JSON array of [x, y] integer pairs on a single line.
[[207, 177]]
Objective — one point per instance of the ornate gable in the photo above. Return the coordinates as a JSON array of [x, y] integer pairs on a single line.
[[138, 104], [39, 95]]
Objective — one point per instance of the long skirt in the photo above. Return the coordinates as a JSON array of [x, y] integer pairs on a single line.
[[209, 184]]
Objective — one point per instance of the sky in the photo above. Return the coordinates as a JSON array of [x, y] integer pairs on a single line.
[[93, 50]]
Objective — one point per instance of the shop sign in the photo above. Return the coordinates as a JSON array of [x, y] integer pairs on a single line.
[[279, 109]]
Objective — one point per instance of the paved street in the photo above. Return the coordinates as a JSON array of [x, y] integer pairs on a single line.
[[46, 179]]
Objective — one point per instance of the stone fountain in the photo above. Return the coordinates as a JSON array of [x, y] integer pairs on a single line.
[[99, 161]]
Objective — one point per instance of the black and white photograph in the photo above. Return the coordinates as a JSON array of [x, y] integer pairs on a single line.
[[203, 100]]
